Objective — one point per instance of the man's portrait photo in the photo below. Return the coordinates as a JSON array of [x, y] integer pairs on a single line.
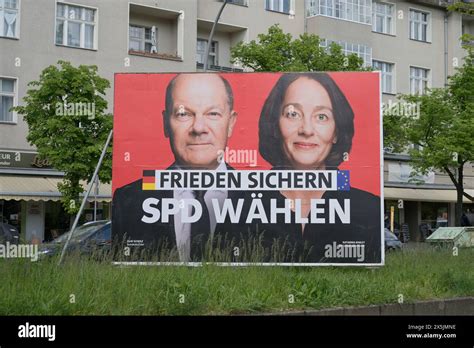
[[198, 120]]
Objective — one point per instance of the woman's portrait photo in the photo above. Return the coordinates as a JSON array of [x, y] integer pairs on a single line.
[[307, 123]]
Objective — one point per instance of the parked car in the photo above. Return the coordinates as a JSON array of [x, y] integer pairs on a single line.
[[91, 239], [9, 233], [391, 241]]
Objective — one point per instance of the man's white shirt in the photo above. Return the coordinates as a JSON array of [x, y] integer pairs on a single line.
[[183, 230]]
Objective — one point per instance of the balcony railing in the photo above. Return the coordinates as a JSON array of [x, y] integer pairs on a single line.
[[237, 2], [155, 55], [218, 68]]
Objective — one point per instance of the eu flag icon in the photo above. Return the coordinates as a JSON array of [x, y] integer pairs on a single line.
[[343, 180]]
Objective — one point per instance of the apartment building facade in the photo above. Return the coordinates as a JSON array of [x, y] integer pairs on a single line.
[[414, 43]]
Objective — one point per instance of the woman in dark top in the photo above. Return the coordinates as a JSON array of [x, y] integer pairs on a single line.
[[307, 124]]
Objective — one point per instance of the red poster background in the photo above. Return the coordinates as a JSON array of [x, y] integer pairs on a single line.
[[138, 124]]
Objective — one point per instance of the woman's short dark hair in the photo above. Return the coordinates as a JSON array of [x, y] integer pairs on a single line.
[[270, 138]]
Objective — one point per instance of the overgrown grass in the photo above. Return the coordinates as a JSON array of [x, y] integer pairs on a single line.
[[43, 288]]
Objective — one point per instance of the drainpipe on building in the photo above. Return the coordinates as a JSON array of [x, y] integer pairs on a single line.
[[305, 16], [446, 15], [211, 35]]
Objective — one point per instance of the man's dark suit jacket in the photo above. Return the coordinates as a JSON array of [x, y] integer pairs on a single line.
[[157, 241]]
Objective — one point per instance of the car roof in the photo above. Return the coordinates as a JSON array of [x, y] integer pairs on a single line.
[[96, 222]]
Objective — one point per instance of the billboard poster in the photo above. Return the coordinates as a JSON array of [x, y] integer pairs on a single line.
[[248, 168]]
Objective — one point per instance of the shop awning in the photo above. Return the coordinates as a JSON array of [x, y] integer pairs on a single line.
[[39, 188], [429, 195]]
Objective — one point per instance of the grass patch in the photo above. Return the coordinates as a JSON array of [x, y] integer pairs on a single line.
[[43, 288]]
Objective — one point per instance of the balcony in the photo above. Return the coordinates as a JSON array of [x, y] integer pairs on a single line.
[[225, 37], [343, 10], [155, 33]]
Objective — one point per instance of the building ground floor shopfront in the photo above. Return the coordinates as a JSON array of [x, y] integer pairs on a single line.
[[30, 200], [422, 209], [42, 221], [32, 203]]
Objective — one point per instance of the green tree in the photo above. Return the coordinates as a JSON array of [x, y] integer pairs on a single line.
[[443, 130], [462, 7], [278, 51], [67, 120]]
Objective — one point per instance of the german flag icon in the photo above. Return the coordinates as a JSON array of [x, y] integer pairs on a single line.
[[148, 180]]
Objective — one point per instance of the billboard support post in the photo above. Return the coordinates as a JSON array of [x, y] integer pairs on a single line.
[[84, 200], [96, 193], [211, 35]]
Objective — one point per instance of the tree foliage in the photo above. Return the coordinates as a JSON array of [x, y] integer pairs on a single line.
[[462, 7], [66, 115], [443, 132], [278, 51]]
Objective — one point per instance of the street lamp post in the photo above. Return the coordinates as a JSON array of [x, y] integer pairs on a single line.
[[211, 35]]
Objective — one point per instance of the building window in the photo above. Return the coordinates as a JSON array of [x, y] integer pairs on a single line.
[[382, 21], [141, 39], [419, 78], [201, 52], [419, 23], [8, 18], [352, 10], [312, 8], [283, 6], [386, 70], [364, 52], [7, 99], [75, 26], [434, 215]]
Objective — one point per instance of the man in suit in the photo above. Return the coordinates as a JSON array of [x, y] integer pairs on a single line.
[[199, 118]]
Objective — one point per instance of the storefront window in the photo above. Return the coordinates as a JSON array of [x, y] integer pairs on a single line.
[[10, 213], [434, 214], [468, 208], [99, 212], [56, 222], [468, 214]]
